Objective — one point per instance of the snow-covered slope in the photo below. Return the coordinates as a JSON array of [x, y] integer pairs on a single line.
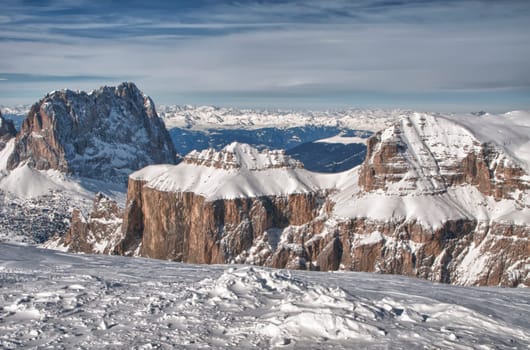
[[237, 171], [509, 131], [430, 210], [57, 300], [27, 182]]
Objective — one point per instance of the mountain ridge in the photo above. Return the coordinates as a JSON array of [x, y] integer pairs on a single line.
[[423, 214]]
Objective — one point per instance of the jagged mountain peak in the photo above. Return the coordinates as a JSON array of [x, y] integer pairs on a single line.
[[123, 89], [104, 134], [242, 156]]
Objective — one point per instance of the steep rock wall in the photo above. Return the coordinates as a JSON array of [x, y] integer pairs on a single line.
[[184, 226]]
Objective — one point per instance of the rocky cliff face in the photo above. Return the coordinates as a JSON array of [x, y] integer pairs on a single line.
[[431, 200], [186, 227], [298, 231], [7, 131], [105, 134], [459, 252]]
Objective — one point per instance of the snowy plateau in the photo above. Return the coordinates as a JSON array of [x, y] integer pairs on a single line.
[[257, 197]]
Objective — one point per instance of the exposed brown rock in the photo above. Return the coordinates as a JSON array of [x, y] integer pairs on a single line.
[[184, 226], [386, 164], [300, 231], [330, 257], [97, 233], [287, 232]]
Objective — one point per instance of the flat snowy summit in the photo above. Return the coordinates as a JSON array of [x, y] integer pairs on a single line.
[[237, 171]]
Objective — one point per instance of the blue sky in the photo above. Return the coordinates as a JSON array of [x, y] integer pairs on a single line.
[[426, 55]]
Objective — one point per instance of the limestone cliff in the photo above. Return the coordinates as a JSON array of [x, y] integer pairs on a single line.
[[428, 154], [186, 227]]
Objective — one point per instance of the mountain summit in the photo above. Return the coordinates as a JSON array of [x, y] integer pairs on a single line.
[[104, 134]]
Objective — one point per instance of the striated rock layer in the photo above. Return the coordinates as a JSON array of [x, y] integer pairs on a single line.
[[427, 154], [431, 200]]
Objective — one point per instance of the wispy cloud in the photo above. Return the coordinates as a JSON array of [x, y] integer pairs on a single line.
[[258, 51]]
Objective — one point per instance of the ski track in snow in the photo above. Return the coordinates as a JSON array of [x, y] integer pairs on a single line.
[[56, 300]]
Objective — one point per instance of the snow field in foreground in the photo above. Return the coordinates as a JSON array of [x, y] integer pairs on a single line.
[[57, 300]]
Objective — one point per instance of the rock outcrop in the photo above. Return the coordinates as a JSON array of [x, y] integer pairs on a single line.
[[460, 252], [186, 227], [298, 232], [7, 131], [99, 232], [105, 134]]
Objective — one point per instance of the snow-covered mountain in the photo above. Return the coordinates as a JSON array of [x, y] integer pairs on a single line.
[[105, 134], [72, 145], [238, 170], [18, 110], [432, 199], [444, 198], [57, 300]]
